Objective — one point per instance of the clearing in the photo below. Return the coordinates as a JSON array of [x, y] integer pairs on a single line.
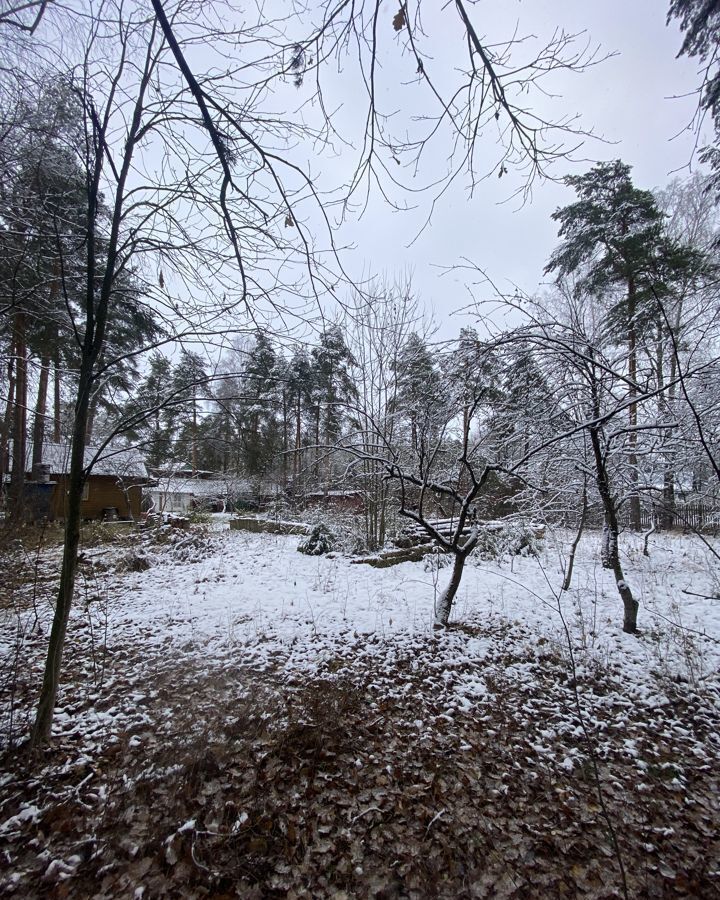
[[238, 719]]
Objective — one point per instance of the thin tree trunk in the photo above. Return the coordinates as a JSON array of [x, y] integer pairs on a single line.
[[7, 419], [194, 452], [17, 476], [286, 440], [667, 513], [51, 677], [317, 445], [298, 442], [630, 604], [40, 410], [573, 549], [635, 513], [57, 385]]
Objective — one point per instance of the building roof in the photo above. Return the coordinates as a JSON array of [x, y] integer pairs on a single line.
[[122, 462], [197, 487]]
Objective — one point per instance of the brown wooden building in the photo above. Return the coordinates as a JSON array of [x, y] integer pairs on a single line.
[[113, 489]]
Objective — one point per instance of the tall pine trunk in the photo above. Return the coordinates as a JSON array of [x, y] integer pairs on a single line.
[[40, 410], [286, 442], [7, 418], [298, 444], [57, 397], [17, 475]]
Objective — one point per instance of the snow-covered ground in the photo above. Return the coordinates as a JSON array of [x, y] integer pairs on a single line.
[[164, 632], [255, 599]]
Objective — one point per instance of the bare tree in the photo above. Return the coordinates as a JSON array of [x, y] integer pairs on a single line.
[[378, 327], [186, 185], [154, 208]]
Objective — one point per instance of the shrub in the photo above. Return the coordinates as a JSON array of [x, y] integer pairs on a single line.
[[508, 538], [320, 540]]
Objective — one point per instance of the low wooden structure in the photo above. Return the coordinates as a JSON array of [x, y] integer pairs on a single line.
[[113, 489], [268, 526]]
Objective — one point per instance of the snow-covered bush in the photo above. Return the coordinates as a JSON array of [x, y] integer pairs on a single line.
[[437, 559], [134, 562], [320, 540], [508, 538]]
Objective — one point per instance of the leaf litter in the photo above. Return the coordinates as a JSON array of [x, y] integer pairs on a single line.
[[240, 720]]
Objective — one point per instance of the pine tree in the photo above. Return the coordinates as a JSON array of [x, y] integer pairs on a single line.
[[259, 407], [150, 412], [700, 22], [41, 227], [189, 382], [419, 394], [612, 238], [332, 387]]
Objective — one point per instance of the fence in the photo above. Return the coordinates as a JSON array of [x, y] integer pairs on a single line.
[[695, 516]]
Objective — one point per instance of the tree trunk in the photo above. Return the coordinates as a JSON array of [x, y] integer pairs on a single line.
[[7, 419], [51, 677], [635, 512], [92, 412], [193, 445], [298, 442], [462, 551], [57, 384], [667, 513], [17, 476], [40, 410], [609, 546], [286, 443], [610, 552], [573, 550], [317, 444], [444, 604]]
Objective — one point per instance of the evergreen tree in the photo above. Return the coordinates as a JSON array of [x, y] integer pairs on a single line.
[[419, 394], [331, 385], [150, 412], [612, 240], [259, 407], [41, 227], [700, 22], [189, 384]]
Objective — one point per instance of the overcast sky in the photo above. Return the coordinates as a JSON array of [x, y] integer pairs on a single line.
[[627, 99]]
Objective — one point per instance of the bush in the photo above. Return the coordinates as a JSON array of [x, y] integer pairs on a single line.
[[508, 538], [320, 540]]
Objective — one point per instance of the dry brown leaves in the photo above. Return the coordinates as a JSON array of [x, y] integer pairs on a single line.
[[368, 782]]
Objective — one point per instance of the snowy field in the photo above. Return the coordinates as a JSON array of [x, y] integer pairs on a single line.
[[597, 750]]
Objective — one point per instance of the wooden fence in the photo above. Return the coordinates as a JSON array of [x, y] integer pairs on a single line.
[[693, 516]]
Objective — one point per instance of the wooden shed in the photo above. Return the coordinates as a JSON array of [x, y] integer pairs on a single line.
[[113, 489]]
